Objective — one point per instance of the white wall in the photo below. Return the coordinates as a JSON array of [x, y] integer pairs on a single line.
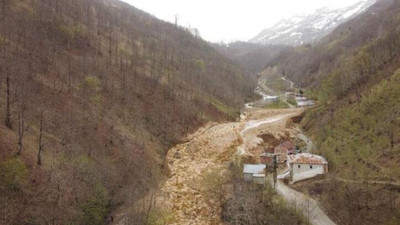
[[305, 172], [248, 177], [259, 180]]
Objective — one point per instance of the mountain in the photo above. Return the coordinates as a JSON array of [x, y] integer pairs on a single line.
[[309, 28], [354, 74], [92, 95]]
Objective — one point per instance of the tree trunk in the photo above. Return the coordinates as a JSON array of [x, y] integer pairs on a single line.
[[8, 114], [21, 131], [40, 144]]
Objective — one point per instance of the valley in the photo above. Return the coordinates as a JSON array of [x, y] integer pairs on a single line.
[[111, 116]]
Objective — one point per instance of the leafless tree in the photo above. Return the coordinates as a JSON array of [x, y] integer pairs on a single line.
[[40, 139]]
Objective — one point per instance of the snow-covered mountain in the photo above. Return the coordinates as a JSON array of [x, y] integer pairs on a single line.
[[308, 28]]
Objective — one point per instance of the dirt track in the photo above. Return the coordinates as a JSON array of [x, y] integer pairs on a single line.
[[308, 206]]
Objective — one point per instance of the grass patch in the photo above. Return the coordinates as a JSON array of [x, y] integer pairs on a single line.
[[279, 104], [230, 111], [14, 174], [72, 32], [292, 101], [96, 207], [278, 84], [160, 217]]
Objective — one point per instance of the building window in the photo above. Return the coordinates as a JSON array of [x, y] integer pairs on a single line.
[[310, 166], [298, 166]]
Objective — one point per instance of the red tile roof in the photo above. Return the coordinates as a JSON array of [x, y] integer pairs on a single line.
[[287, 145], [306, 158]]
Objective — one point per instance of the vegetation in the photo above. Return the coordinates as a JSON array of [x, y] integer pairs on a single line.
[[252, 57], [256, 204], [14, 174], [355, 203], [93, 94], [96, 207], [277, 104], [354, 74], [160, 217], [292, 101], [366, 134]]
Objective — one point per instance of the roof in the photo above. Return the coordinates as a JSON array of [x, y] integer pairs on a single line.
[[305, 102], [259, 175], [287, 145], [306, 158], [253, 168], [267, 154]]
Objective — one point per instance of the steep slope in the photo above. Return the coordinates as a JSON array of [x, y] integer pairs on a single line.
[[93, 93], [354, 75], [310, 65], [309, 28], [343, 72], [252, 57]]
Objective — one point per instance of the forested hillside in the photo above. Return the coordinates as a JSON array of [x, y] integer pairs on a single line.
[[354, 75], [342, 72], [93, 93], [252, 57]]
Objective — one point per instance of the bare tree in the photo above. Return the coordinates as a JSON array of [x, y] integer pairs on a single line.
[[40, 140], [8, 103], [21, 129]]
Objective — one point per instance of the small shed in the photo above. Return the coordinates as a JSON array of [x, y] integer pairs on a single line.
[[304, 103], [305, 165], [252, 172]]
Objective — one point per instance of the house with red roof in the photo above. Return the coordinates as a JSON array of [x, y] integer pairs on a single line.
[[305, 165]]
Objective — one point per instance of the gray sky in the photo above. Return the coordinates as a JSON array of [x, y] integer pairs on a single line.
[[231, 20]]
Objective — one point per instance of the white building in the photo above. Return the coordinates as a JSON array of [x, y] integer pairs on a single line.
[[305, 165], [254, 173], [303, 103]]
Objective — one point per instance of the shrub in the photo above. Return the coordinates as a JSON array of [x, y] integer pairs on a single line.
[[160, 217], [92, 82], [14, 173], [292, 101], [96, 207]]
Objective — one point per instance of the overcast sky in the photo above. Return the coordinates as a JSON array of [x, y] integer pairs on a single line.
[[231, 20]]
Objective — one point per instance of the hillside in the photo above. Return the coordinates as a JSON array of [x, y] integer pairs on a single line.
[[344, 72], [93, 94], [354, 75], [250, 56], [309, 28]]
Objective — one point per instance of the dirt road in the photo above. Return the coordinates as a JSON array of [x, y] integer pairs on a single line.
[[308, 206]]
